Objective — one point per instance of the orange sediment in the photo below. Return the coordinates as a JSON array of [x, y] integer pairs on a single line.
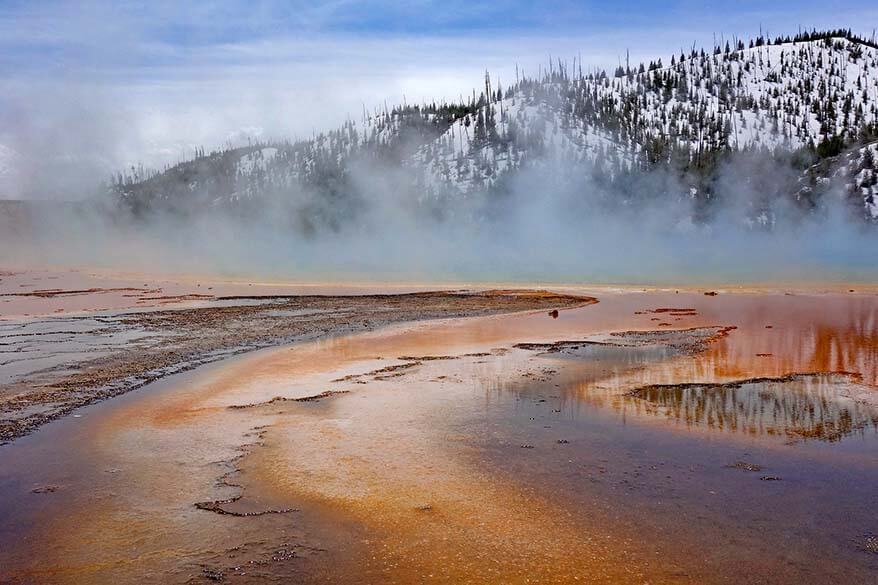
[[392, 477]]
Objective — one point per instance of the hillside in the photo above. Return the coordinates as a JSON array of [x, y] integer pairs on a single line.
[[808, 104]]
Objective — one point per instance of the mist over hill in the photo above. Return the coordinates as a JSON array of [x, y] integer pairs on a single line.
[[751, 159], [796, 101]]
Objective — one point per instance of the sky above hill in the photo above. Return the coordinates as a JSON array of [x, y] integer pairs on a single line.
[[91, 86]]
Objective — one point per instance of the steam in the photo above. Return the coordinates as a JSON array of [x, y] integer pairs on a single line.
[[543, 228], [88, 88]]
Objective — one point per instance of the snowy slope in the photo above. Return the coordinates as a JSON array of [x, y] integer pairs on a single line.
[[853, 175], [789, 95], [766, 96], [863, 174]]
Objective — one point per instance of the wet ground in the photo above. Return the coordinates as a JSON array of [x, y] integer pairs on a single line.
[[652, 437], [62, 359]]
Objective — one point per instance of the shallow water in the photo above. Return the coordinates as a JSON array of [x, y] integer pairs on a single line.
[[809, 407], [494, 464]]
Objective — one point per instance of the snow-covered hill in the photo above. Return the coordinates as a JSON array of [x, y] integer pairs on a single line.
[[816, 94], [789, 95], [854, 174]]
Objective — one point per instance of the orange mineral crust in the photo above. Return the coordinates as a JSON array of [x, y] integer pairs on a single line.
[[595, 446]]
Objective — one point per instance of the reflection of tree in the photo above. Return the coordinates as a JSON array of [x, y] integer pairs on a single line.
[[829, 337], [806, 407], [854, 349]]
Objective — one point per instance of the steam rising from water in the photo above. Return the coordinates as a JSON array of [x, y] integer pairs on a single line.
[[544, 228]]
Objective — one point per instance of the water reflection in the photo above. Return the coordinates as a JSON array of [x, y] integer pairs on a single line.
[[779, 335], [803, 407]]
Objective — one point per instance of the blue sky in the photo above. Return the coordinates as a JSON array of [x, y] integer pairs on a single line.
[[117, 82]]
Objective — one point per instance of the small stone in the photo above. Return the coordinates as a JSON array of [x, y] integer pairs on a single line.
[[212, 574], [745, 466]]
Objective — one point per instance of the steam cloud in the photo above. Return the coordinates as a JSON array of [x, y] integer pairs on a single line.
[[124, 93], [545, 228]]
